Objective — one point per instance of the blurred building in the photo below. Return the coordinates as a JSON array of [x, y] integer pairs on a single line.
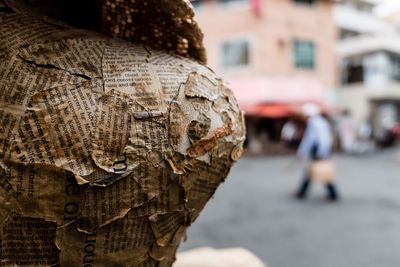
[[369, 59], [389, 11], [276, 55]]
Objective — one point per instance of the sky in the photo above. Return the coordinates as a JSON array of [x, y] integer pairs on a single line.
[[387, 6]]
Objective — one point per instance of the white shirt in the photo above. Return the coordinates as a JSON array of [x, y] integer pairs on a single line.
[[288, 131], [318, 133]]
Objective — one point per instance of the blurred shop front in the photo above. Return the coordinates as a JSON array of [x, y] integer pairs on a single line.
[[269, 102]]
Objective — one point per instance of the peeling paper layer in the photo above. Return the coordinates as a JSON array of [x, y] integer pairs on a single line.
[[108, 150]]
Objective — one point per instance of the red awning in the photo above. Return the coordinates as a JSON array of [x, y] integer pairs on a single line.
[[270, 110], [280, 110]]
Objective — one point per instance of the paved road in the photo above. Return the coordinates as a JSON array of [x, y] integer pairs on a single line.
[[254, 209]]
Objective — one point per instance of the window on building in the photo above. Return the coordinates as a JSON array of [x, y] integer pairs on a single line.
[[305, 2], [304, 54], [395, 67], [235, 53], [362, 6], [344, 34], [353, 73]]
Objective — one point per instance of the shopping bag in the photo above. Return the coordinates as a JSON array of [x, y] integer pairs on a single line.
[[322, 171]]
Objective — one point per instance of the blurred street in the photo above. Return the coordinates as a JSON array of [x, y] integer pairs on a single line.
[[254, 209]]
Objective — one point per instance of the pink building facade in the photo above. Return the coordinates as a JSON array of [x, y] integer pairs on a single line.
[[271, 51]]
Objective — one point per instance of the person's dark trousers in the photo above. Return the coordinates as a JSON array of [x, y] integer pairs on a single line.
[[305, 184], [332, 192]]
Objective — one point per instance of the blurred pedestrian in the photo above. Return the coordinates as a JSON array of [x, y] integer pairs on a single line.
[[387, 137], [316, 145], [289, 134], [346, 132]]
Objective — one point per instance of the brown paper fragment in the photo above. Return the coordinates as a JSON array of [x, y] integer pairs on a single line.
[[202, 184], [126, 234], [168, 201], [19, 29], [112, 133], [171, 75], [149, 262], [159, 254], [102, 205], [198, 85], [10, 116], [128, 75], [198, 128], [28, 241], [56, 129], [8, 199], [20, 80], [166, 225], [175, 162], [206, 144], [237, 152], [125, 242], [48, 192], [78, 55]]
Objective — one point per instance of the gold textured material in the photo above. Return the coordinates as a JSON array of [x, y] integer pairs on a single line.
[[161, 24]]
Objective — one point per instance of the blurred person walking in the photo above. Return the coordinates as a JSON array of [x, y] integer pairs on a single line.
[[346, 131], [289, 134], [316, 145]]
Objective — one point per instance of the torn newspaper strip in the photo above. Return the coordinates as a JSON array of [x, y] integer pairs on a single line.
[[108, 150]]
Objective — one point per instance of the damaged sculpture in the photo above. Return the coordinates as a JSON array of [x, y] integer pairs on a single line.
[[109, 147]]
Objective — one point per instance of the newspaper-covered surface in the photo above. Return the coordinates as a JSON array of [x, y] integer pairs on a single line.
[[108, 150]]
